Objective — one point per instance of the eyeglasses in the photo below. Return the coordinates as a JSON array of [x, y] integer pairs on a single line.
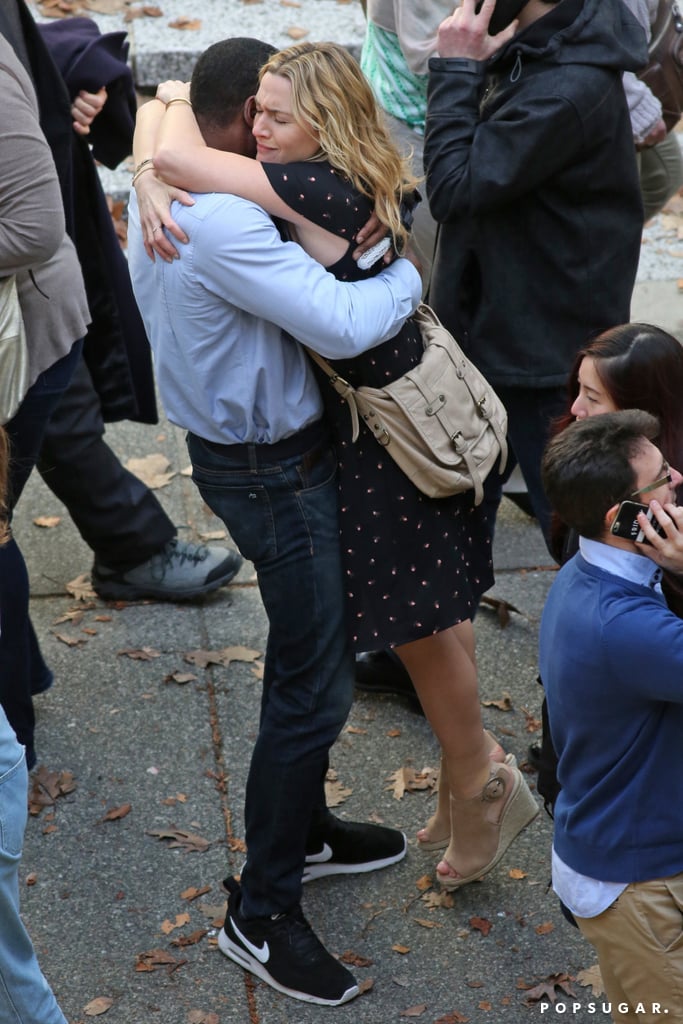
[[666, 479]]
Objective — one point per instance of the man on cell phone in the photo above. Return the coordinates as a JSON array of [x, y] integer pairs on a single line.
[[611, 657], [531, 173]]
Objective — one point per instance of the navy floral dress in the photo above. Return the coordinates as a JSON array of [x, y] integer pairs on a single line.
[[413, 565]]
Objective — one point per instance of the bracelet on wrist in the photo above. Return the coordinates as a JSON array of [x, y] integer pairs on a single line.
[[143, 163], [178, 99], [148, 166]]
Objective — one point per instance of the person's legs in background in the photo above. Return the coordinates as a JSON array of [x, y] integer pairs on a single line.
[[22, 668], [137, 554], [25, 996], [661, 173]]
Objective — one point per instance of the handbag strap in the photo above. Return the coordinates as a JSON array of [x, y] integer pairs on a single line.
[[342, 387]]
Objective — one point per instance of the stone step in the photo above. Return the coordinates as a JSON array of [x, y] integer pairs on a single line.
[[159, 51]]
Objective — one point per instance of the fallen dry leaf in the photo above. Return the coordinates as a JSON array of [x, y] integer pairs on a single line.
[[223, 656], [75, 616], [393, 733], [480, 924], [503, 703], [186, 24], [452, 1018], [501, 608], [335, 792], [190, 940], [47, 522], [97, 1006], [117, 812], [155, 959], [193, 892], [181, 678], [140, 654], [47, 787], [424, 882], [170, 926], [439, 899], [81, 588], [202, 1017], [105, 6], [592, 978], [355, 959], [187, 841], [414, 1011], [365, 986], [214, 912], [531, 724], [517, 873], [549, 989], [545, 928], [425, 922], [356, 731], [296, 32], [398, 948], [70, 641], [31, 878], [152, 470], [212, 535], [406, 779]]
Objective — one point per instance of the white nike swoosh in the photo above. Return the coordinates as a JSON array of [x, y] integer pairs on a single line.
[[320, 858], [262, 953]]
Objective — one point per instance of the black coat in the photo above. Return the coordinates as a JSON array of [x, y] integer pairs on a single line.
[[116, 348], [531, 173]]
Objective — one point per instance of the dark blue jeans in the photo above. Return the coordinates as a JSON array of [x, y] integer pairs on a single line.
[[22, 668], [279, 503], [531, 412]]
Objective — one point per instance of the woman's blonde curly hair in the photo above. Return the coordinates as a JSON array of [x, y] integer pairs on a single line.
[[332, 99]]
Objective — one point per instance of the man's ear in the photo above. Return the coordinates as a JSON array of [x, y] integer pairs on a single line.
[[249, 111], [610, 516]]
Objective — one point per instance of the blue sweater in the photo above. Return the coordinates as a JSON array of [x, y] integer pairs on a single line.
[[611, 658]]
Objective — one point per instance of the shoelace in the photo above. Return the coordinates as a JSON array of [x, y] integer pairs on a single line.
[[194, 553]]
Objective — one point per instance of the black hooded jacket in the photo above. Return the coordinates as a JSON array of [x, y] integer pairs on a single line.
[[531, 173]]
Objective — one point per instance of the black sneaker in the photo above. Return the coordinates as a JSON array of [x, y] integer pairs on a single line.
[[381, 672], [348, 847], [284, 951]]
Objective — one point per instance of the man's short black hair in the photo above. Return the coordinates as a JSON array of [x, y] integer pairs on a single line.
[[587, 467], [225, 75]]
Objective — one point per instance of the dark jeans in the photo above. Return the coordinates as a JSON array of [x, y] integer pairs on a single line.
[[279, 503], [22, 668], [115, 513], [531, 412]]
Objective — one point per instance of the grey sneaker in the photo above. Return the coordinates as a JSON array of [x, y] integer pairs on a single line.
[[178, 572]]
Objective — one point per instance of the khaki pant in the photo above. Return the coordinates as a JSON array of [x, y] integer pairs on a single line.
[[661, 173], [639, 942]]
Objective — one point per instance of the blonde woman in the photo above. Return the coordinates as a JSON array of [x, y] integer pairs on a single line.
[[414, 567]]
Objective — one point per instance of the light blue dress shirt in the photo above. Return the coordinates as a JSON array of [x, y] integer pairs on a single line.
[[219, 320]]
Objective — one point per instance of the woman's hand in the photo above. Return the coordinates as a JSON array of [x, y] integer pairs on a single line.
[[173, 89], [154, 203], [85, 109], [667, 550], [372, 232]]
